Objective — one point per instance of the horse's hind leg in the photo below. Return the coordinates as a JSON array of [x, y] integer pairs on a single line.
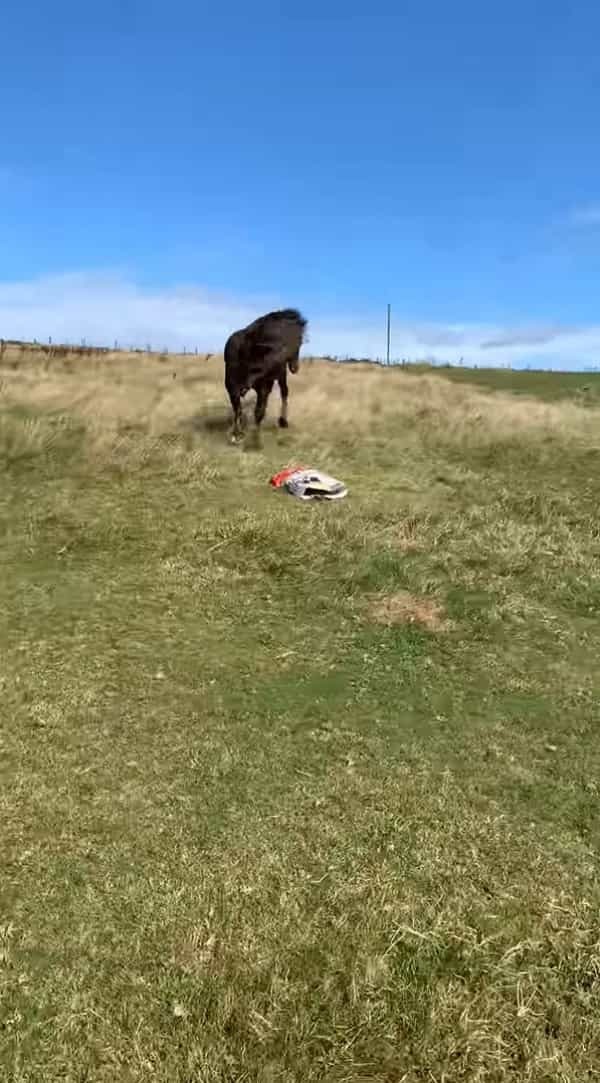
[[263, 390], [283, 388], [235, 397]]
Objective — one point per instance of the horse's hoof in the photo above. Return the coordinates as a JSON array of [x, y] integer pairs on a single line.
[[284, 423]]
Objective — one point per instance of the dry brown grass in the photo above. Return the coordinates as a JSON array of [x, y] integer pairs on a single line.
[[111, 391], [406, 608]]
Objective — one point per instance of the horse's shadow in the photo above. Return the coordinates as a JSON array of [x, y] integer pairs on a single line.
[[213, 424], [219, 425]]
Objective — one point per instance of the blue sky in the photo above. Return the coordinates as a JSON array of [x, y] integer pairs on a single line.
[[167, 170]]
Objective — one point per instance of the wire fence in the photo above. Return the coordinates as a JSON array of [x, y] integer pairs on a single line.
[[51, 349]]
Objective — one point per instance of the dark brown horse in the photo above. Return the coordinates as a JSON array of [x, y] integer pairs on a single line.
[[259, 355]]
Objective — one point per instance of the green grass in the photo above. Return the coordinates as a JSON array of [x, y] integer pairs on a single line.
[[580, 387], [251, 834]]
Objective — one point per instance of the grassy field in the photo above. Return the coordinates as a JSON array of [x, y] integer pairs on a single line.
[[582, 388], [296, 793]]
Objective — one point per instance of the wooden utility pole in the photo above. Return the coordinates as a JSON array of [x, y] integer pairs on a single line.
[[389, 313]]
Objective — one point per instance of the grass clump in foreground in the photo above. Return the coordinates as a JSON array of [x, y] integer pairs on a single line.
[[294, 792]]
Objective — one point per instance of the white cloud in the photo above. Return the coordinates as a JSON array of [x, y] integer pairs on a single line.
[[102, 308], [475, 344]]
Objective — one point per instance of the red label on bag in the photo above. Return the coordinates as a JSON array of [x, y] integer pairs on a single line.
[[279, 479]]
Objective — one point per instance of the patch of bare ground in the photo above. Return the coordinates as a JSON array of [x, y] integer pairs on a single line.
[[406, 608]]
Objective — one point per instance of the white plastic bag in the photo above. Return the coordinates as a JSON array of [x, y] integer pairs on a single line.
[[308, 484]]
